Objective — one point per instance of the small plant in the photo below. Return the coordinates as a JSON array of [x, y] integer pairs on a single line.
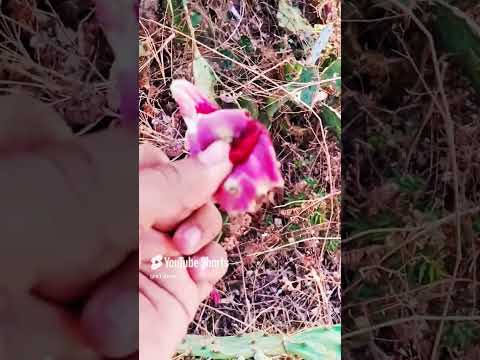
[[476, 225], [313, 183], [409, 184], [317, 218], [246, 44], [269, 219], [460, 335], [293, 227], [291, 198], [227, 63], [298, 164], [332, 245], [426, 270]]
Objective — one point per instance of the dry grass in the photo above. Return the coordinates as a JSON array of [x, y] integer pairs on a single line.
[[58, 57], [285, 272], [285, 259], [410, 269]]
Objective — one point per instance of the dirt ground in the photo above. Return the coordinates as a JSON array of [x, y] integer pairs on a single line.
[[410, 269], [285, 259]]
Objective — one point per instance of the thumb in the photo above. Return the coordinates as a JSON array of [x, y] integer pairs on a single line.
[[28, 124], [169, 193]]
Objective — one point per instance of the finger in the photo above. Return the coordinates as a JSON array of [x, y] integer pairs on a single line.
[[198, 230], [73, 199], [51, 332], [172, 276], [213, 264], [28, 124], [110, 317], [133, 357], [205, 289], [170, 296], [152, 244], [170, 193], [157, 307], [151, 156]]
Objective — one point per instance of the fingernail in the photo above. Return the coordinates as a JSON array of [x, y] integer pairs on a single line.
[[111, 324], [188, 238], [215, 154], [124, 330]]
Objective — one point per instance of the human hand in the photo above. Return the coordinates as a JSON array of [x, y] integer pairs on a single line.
[[67, 237], [177, 218]]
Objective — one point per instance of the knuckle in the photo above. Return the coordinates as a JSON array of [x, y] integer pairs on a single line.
[[174, 183], [217, 220], [213, 221], [171, 174]]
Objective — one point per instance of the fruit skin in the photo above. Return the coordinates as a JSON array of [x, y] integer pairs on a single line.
[[256, 170], [321, 343]]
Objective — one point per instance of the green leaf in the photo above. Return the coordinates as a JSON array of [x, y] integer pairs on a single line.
[[204, 76], [332, 120], [196, 19], [333, 71], [408, 183], [176, 10], [460, 36], [476, 226], [309, 74], [290, 18], [292, 71], [421, 272], [273, 105], [227, 64], [246, 43], [320, 44], [250, 105], [332, 245]]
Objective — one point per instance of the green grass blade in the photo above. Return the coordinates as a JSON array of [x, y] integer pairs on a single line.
[[460, 36]]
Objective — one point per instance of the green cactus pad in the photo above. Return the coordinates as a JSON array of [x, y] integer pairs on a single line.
[[322, 343]]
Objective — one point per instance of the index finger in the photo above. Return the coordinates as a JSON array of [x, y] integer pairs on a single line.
[[171, 192], [69, 213]]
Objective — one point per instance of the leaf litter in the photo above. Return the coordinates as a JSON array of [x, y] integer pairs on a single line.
[[285, 270]]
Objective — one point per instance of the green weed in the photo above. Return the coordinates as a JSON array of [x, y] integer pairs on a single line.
[[317, 218], [332, 245], [460, 335]]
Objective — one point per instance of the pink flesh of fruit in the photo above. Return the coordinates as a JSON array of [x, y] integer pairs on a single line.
[[256, 170]]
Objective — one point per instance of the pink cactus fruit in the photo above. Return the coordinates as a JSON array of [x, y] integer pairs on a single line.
[[256, 170]]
